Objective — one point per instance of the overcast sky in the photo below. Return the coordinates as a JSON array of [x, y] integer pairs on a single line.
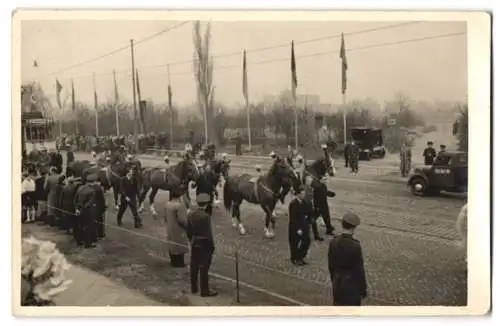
[[430, 69]]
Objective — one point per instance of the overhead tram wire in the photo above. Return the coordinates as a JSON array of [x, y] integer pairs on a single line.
[[125, 47], [317, 54], [266, 48], [377, 45], [287, 44]]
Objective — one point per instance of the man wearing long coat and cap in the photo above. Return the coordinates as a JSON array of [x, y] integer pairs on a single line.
[[199, 232], [346, 266], [176, 222]]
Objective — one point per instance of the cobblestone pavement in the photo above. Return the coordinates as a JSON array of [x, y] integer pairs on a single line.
[[408, 245]]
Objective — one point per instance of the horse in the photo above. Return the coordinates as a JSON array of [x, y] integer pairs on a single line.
[[263, 190], [110, 176], [157, 178]]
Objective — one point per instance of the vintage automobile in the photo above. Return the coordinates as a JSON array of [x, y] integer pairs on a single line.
[[447, 173], [370, 142]]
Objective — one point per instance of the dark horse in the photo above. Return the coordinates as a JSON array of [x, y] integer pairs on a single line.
[[263, 190], [157, 178], [312, 177]]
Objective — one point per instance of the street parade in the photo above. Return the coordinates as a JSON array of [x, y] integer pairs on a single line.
[[140, 188]]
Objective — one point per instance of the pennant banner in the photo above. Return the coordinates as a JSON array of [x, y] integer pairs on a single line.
[[344, 64], [58, 92], [294, 71], [245, 77]]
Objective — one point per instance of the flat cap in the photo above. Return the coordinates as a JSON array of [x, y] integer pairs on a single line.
[[430, 143], [352, 219], [203, 198]]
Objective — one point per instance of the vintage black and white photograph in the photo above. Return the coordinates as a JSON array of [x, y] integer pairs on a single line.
[[192, 160]]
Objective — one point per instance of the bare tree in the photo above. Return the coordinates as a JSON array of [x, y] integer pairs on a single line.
[[203, 73]]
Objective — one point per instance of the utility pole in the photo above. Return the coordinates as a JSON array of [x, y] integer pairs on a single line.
[[136, 140]]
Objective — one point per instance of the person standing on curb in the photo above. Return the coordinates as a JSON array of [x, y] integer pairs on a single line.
[[199, 232], [128, 198], [346, 266], [86, 210], [176, 223], [299, 237]]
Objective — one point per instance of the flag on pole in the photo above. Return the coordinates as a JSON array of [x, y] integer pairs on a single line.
[[137, 84], [96, 103], [73, 104], [58, 92], [344, 64], [294, 71], [141, 106], [117, 96], [245, 77], [170, 96]]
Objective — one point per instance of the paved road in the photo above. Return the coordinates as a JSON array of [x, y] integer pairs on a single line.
[[408, 244]]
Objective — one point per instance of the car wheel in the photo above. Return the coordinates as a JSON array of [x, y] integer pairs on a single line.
[[369, 156], [418, 187], [382, 154]]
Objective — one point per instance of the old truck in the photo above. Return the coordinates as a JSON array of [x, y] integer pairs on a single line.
[[370, 142]]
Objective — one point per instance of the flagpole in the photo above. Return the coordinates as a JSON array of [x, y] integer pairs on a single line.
[[117, 115], [96, 107], [134, 95], [344, 117], [245, 95], [171, 111]]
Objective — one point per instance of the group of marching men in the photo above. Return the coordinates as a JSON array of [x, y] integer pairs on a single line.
[[78, 205]]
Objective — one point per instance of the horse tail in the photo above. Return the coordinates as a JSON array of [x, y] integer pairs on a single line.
[[227, 196]]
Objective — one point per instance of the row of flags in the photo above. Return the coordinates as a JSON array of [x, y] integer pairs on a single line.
[[59, 89], [293, 68]]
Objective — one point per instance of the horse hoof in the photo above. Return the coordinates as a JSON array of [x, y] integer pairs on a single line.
[[235, 223], [242, 230], [117, 207]]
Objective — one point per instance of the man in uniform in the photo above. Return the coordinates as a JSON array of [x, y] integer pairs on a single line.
[[67, 202], [442, 149], [405, 159], [87, 208], [354, 157], [346, 266], [70, 158], [429, 154], [347, 153], [129, 191], [300, 218], [199, 232]]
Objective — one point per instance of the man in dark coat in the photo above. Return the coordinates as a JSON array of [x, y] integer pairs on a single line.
[[347, 153], [67, 202], [354, 157], [40, 198], [346, 266], [299, 227], [70, 158], [129, 192], [56, 160], [205, 184], [199, 232], [87, 208], [429, 154]]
